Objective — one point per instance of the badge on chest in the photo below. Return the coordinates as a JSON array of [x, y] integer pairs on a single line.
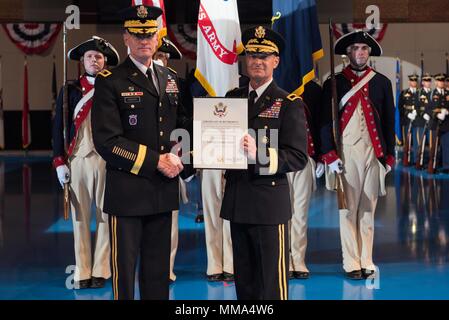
[[172, 87], [131, 97], [132, 120], [272, 111]]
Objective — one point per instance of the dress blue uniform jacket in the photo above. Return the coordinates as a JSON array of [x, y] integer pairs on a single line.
[[251, 196], [131, 127]]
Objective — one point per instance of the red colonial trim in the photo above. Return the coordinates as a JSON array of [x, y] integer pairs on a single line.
[[330, 157], [310, 145], [390, 161], [83, 112], [362, 96], [58, 161]]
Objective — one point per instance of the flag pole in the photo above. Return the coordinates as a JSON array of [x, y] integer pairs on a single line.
[[65, 114], [2, 128], [26, 137], [341, 197]]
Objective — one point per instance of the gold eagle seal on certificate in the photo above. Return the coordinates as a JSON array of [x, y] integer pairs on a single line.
[[220, 110]]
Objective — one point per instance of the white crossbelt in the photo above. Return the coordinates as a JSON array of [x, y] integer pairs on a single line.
[[81, 103], [356, 88]]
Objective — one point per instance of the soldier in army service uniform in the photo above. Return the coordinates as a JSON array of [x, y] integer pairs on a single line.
[[424, 112], [440, 110], [408, 108], [256, 201], [136, 108]]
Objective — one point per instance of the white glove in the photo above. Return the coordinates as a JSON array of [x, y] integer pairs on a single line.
[[159, 62], [336, 166], [412, 115], [426, 117], [319, 170], [441, 115], [63, 173], [387, 168]]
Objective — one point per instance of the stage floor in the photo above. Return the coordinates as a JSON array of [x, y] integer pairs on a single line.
[[411, 242]]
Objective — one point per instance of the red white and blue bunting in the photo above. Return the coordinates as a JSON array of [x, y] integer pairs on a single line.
[[344, 28], [32, 38]]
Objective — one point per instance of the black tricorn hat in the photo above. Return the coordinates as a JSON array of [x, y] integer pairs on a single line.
[[262, 40], [169, 47], [97, 44], [140, 20], [357, 36]]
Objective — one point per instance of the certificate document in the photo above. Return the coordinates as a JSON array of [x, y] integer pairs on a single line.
[[219, 125]]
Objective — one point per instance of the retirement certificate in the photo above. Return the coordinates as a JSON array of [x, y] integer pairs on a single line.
[[219, 125]]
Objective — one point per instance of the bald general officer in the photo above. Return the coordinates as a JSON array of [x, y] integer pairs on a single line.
[[136, 108], [257, 200]]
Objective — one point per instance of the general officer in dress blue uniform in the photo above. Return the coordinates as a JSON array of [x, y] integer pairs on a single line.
[[256, 200], [136, 108]]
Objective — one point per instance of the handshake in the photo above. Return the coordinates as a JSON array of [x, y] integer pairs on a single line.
[[169, 165]]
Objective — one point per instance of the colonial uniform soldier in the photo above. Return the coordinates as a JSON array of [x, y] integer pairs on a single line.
[[256, 200], [136, 108], [166, 51], [440, 107], [302, 183], [408, 106], [366, 120], [87, 169]]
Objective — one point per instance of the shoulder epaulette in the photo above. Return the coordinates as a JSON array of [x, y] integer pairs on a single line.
[[172, 70], [336, 74], [105, 73], [233, 90], [293, 97]]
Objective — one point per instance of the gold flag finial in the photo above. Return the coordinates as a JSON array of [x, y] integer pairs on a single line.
[[277, 16]]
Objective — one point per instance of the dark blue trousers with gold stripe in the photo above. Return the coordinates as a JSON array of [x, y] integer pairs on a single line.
[[260, 261], [149, 238]]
